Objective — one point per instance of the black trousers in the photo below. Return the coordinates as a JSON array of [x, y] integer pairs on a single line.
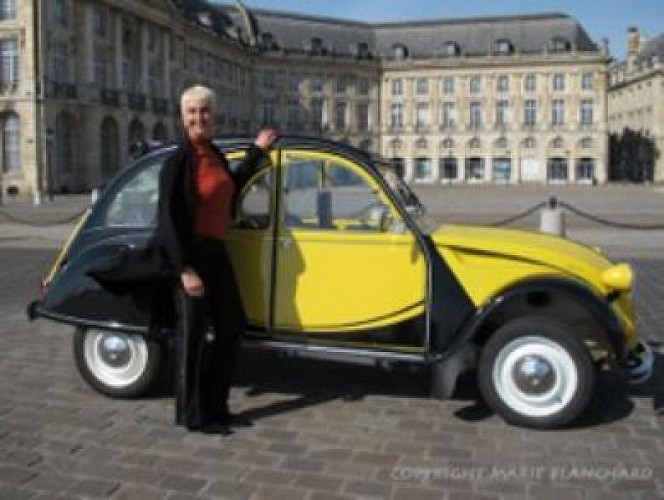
[[208, 339]]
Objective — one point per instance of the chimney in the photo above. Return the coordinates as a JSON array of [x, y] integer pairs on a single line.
[[633, 47]]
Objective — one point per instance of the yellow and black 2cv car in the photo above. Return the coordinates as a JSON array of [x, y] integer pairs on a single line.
[[336, 256]]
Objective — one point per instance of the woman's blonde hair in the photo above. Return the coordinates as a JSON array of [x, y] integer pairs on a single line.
[[205, 94]]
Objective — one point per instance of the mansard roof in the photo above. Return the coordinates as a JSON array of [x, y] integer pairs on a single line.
[[653, 48], [474, 36]]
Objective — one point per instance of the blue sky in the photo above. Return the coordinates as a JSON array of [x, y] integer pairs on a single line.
[[601, 18]]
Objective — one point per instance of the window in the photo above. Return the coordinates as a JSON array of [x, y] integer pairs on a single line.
[[293, 116], [587, 143], [502, 47], [447, 168], [316, 85], [530, 112], [451, 49], [316, 46], [422, 118], [448, 85], [109, 148], [475, 115], [363, 116], [396, 115], [399, 51], [397, 87], [502, 169], [475, 143], [447, 143], [558, 112], [294, 83], [254, 208], [363, 87], [100, 65], [268, 79], [559, 81], [500, 143], [475, 84], [60, 16], [559, 44], [557, 143], [557, 169], [317, 111], [530, 82], [475, 169], [9, 61], [11, 143], [340, 118], [7, 10], [423, 168], [421, 143], [502, 112], [422, 86], [449, 115], [587, 81], [585, 169], [342, 85], [267, 112], [64, 143], [267, 42], [503, 83], [586, 110], [529, 143], [61, 61]]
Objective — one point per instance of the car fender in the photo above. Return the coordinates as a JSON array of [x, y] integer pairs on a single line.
[[598, 307]]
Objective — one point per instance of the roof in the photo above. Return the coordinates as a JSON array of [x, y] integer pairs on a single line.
[[653, 48], [473, 36]]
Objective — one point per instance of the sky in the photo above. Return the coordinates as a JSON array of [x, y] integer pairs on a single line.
[[600, 18]]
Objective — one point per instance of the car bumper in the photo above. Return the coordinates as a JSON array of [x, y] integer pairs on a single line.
[[639, 363]]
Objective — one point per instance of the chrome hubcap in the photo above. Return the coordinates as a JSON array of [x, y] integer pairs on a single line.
[[116, 359], [533, 375], [114, 351]]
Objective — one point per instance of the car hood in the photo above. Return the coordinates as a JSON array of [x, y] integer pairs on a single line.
[[554, 252]]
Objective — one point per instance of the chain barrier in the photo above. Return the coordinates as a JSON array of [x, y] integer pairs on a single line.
[[69, 219], [521, 215]]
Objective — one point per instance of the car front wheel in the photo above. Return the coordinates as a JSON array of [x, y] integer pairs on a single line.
[[536, 372], [118, 364]]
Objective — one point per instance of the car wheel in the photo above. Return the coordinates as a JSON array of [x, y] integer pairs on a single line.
[[117, 364], [536, 372]]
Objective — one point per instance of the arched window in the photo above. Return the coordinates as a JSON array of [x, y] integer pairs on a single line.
[[11, 143], [475, 143], [7, 9], [529, 143], [500, 143], [557, 143], [421, 143], [447, 143], [399, 51], [587, 143], [159, 132], [109, 148], [136, 131], [395, 144]]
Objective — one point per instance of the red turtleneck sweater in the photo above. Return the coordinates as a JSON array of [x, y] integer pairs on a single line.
[[215, 192]]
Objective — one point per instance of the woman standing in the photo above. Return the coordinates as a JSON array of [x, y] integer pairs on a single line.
[[196, 194]]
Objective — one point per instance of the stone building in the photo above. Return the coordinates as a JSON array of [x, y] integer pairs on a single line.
[[636, 94], [489, 99]]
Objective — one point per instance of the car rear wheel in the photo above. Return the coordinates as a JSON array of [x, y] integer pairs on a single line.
[[536, 372], [117, 364]]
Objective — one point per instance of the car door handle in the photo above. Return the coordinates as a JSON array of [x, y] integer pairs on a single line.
[[285, 242]]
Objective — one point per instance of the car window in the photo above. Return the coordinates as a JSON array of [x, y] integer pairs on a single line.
[[325, 192], [134, 203], [254, 205]]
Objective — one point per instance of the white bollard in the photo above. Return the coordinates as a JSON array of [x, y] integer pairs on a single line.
[[552, 218]]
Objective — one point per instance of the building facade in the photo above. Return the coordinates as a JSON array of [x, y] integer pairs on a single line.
[[501, 99], [636, 95]]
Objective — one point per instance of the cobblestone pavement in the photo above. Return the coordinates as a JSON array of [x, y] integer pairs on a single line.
[[321, 430]]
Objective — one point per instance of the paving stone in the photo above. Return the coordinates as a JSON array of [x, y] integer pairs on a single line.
[[94, 488], [272, 476], [230, 489], [15, 475], [367, 488], [313, 481], [182, 483]]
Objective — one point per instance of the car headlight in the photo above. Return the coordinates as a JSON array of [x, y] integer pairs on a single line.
[[618, 277]]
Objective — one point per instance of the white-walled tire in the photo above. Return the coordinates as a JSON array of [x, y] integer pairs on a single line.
[[117, 364], [536, 372]]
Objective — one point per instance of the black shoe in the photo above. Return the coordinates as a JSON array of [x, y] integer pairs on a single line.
[[234, 420], [215, 428]]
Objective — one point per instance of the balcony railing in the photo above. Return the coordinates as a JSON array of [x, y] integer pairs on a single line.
[[136, 101], [109, 97]]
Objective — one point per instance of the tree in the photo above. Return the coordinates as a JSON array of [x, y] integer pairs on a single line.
[[632, 156]]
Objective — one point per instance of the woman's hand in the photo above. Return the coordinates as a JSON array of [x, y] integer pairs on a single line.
[[192, 283], [266, 138]]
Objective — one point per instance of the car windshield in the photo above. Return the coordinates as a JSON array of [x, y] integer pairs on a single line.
[[406, 196]]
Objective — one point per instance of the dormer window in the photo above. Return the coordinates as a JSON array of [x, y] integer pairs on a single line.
[[399, 51], [316, 46], [451, 49], [268, 42], [559, 44], [205, 19], [361, 50], [503, 47]]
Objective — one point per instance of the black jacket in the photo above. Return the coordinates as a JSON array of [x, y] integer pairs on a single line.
[[150, 273]]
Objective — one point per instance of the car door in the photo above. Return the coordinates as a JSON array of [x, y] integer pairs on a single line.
[[345, 263]]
